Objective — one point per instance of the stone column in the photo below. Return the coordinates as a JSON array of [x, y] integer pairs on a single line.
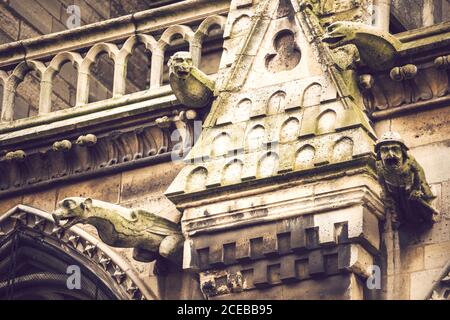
[[382, 10], [428, 13]]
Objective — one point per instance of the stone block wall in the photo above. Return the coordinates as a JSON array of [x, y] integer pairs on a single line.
[[423, 256], [143, 187], [414, 14]]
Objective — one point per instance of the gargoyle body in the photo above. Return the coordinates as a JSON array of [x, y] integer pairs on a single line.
[[192, 87], [405, 189], [377, 49], [150, 235]]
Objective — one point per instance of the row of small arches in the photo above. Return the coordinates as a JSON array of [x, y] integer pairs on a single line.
[[268, 164], [119, 57], [276, 103], [289, 131]]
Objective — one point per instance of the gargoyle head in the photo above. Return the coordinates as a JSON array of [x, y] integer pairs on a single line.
[[72, 210], [391, 150], [180, 64], [340, 33]]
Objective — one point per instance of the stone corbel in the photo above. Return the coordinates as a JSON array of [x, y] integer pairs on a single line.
[[185, 133], [17, 155], [63, 145]]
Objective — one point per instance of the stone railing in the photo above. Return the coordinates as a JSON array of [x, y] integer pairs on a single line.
[[117, 38]]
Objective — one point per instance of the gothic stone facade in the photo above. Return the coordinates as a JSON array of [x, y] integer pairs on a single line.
[[273, 182]]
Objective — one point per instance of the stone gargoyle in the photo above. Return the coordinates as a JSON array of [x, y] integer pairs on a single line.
[[377, 49], [405, 191], [192, 87], [152, 237]]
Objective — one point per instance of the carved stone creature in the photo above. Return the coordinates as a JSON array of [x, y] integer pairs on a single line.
[[15, 155], [405, 189], [63, 145], [377, 49], [151, 236], [87, 140], [191, 86]]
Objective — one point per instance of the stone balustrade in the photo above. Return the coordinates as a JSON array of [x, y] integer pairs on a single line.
[[117, 38]]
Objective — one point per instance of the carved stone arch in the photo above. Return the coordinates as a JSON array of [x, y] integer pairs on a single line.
[[220, 144], [57, 62], [105, 275], [326, 121], [304, 157], [21, 70], [202, 31], [289, 129], [24, 67], [84, 72], [312, 95], [268, 165], [147, 40], [121, 62], [206, 25], [232, 172], [239, 24], [45, 103], [184, 31], [12, 82], [342, 150], [196, 180], [109, 48], [255, 137]]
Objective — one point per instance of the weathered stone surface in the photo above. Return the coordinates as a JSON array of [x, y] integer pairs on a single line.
[[103, 188], [435, 167], [422, 282], [436, 255], [421, 128], [44, 200], [412, 259], [148, 181], [6, 204]]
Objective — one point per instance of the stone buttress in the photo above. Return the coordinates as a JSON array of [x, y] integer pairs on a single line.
[[279, 195]]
